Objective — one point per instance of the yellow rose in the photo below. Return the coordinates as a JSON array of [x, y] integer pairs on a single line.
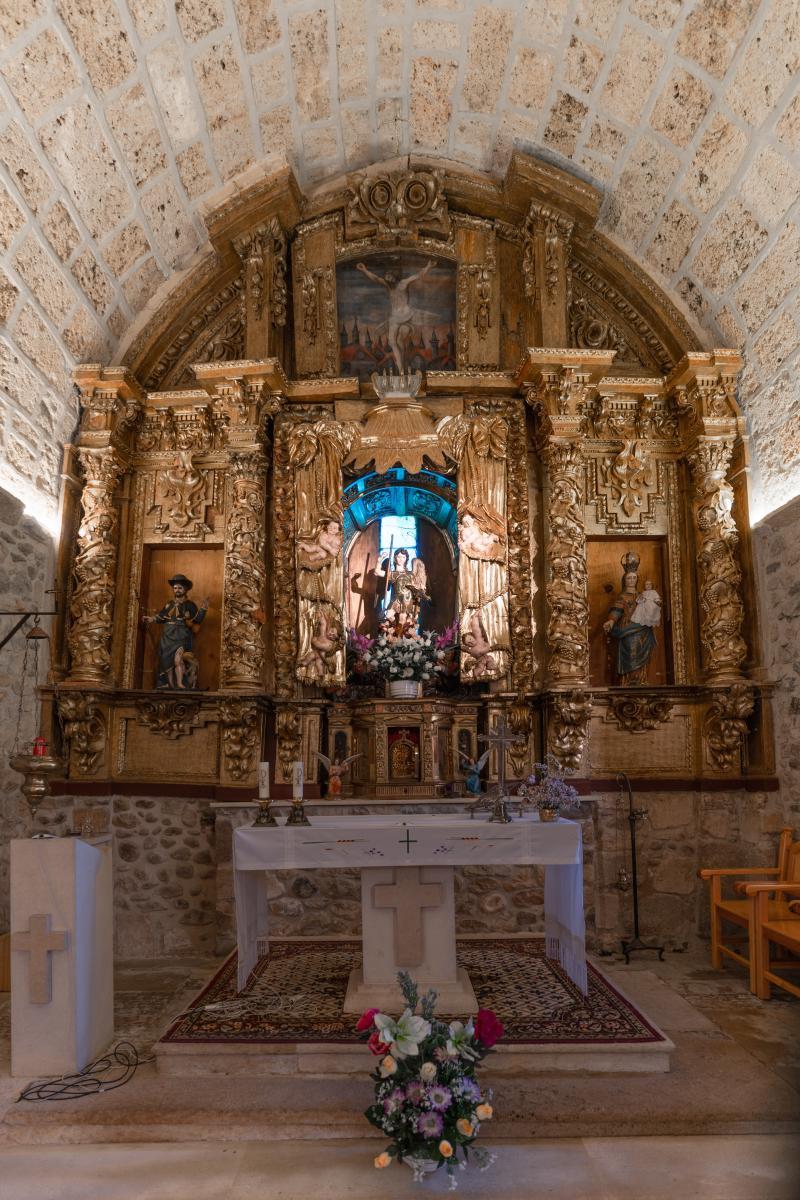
[[484, 1112], [464, 1127], [445, 1149], [383, 1160], [388, 1066]]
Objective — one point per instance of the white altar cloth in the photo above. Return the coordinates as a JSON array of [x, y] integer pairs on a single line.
[[411, 840]]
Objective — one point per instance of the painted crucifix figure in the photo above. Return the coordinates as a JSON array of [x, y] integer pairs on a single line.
[[401, 310]]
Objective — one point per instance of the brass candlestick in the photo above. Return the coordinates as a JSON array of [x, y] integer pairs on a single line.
[[297, 813], [265, 815]]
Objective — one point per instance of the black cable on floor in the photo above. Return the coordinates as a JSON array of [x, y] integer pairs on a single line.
[[94, 1077]]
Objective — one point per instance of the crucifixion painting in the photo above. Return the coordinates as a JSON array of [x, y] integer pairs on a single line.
[[396, 313]]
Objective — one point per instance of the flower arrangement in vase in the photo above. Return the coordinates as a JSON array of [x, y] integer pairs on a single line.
[[547, 790], [400, 652], [427, 1099]]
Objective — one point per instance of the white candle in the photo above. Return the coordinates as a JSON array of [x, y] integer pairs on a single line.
[[297, 781], [263, 781]]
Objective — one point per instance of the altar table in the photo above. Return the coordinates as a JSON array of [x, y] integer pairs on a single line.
[[403, 840]]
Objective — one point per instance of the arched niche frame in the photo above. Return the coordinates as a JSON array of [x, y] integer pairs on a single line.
[[430, 498]]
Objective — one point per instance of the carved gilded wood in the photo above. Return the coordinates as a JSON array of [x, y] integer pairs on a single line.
[[615, 425]]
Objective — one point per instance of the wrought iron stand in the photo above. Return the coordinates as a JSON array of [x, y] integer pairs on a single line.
[[635, 943]]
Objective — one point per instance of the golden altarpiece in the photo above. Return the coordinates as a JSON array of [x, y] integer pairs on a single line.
[[568, 462]]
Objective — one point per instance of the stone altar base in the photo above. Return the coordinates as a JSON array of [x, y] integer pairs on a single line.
[[408, 923]]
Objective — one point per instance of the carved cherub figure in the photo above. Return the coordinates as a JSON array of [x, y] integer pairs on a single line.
[[477, 646]]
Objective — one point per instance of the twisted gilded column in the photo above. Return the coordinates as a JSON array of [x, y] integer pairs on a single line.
[[95, 569], [718, 572], [243, 608], [567, 589]]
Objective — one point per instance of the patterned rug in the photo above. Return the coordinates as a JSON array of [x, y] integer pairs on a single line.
[[297, 992]]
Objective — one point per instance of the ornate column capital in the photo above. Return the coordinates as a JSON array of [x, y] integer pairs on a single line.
[[702, 388], [112, 405]]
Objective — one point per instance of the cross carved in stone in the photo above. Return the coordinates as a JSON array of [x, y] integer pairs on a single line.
[[40, 941], [408, 896]]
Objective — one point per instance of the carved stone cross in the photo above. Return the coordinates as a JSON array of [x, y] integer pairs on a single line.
[[408, 896], [39, 942]]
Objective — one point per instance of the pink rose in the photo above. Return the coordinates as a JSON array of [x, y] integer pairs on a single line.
[[488, 1029], [376, 1045], [365, 1020]]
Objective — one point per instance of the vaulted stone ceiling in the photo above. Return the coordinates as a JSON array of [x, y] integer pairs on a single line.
[[122, 124]]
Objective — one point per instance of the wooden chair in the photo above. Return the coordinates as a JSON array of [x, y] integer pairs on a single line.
[[742, 912], [783, 930]]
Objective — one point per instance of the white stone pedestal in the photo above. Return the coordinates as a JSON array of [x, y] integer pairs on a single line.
[[62, 955], [408, 923]]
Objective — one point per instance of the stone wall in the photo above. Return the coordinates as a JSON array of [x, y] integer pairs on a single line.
[[778, 556], [26, 563]]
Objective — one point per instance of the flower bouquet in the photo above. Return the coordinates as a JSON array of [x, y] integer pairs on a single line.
[[400, 652], [427, 1099], [547, 790]]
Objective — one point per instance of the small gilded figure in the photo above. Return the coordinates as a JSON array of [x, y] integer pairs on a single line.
[[181, 618]]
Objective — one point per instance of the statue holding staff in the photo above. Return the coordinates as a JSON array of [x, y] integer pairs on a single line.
[[181, 618]]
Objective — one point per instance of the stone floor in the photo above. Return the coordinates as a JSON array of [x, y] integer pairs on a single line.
[[653, 1168], [736, 1078]]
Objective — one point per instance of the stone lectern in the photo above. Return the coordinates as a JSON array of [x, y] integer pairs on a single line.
[[62, 955]]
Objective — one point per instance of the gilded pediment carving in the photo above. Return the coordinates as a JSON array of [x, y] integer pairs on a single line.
[[397, 206]]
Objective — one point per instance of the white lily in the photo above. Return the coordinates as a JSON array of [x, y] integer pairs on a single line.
[[404, 1035], [461, 1036]]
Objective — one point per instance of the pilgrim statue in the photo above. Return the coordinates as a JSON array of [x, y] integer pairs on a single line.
[[181, 618]]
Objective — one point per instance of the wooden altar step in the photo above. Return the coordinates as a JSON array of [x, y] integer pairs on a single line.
[[289, 1021]]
